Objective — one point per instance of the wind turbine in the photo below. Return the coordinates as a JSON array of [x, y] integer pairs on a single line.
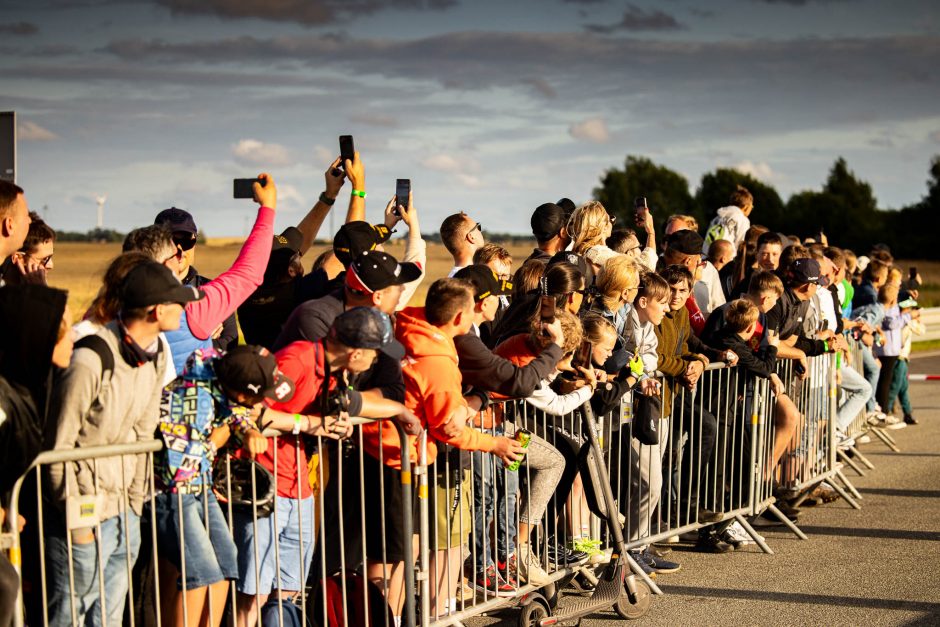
[[100, 199]]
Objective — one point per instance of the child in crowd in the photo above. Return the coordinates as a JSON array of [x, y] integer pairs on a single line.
[[899, 384]]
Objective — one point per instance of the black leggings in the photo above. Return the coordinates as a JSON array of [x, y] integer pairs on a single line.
[[884, 380]]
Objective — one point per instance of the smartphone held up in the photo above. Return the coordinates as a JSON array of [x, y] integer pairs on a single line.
[[244, 188], [402, 191]]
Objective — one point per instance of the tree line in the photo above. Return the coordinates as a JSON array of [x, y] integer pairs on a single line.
[[845, 207]]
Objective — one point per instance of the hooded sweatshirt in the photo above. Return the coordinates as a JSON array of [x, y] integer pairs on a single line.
[[730, 224], [30, 316], [433, 391]]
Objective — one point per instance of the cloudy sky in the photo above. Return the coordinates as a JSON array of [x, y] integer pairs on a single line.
[[491, 107]]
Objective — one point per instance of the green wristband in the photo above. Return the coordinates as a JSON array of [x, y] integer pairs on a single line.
[[358, 192]]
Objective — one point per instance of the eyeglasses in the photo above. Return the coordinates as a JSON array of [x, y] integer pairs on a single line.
[[184, 240], [478, 227], [44, 262]]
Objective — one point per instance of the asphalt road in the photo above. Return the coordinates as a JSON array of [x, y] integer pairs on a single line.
[[876, 566]]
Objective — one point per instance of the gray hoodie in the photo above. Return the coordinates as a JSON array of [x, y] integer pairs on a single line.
[[86, 412]]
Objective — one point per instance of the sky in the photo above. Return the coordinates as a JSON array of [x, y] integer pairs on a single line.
[[489, 107]]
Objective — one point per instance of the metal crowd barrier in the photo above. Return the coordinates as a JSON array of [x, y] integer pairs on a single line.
[[860, 425], [713, 466], [335, 587]]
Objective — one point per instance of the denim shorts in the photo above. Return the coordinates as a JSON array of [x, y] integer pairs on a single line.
[[294, 531], [209, 550]]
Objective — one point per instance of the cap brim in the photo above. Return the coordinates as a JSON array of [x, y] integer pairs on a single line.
[[394, 349], [282, 390], [505, 289], [409, 272], [185, 294]]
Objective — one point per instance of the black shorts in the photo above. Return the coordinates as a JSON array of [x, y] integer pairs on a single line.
[[384, 512]]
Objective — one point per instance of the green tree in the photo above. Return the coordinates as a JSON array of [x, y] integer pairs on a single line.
[[666, 191], [915, 227], [716, 188]]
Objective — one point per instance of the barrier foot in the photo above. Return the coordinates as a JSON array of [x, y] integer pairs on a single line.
[[754, 535], [848, 485], [845, 459], [786, 521], [842, 492], [862, 458], [886, 439], [642, 575]]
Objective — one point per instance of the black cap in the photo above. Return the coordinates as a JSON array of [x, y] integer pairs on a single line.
[[568, 205], [685, 241], [290, 239], [177, 220], [366, 327], [152, 283], [252, 370], [803, 271], [485, 282], [374, 270], [547, 220], [354, 238], [574, 259]]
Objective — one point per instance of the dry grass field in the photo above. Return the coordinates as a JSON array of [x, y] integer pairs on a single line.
[[79, 266]]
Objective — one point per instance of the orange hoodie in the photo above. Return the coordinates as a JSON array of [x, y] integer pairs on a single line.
[[433, 391]]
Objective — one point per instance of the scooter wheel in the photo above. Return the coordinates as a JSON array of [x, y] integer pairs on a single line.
[[532, 614], [632, 611]]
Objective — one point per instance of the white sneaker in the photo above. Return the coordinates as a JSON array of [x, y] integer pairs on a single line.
[[892, 422], [530, 570], [736, 536]]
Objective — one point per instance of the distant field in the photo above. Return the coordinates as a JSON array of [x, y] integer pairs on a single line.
[[79, 267]]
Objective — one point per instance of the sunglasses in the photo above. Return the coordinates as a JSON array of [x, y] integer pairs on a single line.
[[478, 227], [44, 262], [185, 241]]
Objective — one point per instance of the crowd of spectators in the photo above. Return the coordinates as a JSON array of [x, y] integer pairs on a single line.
[[207, 365]]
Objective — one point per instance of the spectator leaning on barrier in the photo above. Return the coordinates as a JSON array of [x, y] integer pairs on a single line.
[[92, 407], [319, 406], [42, 342], [462, 237], [198, 411], [682, 248], [185, 237], [14, 225], [433, 390]]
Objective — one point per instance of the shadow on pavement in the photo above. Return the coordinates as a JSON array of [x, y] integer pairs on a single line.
[[890, 534], [931, 494], [798, 597]]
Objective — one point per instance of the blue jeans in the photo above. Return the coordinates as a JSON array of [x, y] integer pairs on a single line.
[[209, 550], [113, 543], [872, 372], [492, 482], [857, 393], [899, 388]]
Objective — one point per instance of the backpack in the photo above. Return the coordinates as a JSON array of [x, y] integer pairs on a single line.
[[100, 346], [273, 612], [353, 613]]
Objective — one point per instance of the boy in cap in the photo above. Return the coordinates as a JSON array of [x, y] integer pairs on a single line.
[[185, 236], [109, 394], [322, 400], [198, 410]]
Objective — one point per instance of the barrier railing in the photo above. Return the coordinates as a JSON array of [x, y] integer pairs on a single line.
[[238, 528], [576, 515]]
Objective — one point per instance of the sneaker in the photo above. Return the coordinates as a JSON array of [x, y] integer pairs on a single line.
[[509, 571], [910, 420], [589, 547], [660, 565], [876, 418], [640, 558], [659, 550], [561, 557], [823, 493], [706, 516], [843, 439], [736, 536], [863, 439], [491, 582], [711, 543], [527, 563], [892, 422]]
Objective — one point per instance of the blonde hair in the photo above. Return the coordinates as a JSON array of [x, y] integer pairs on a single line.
[[741, 314], [586, 226], [894, 276], [764, 281], [618, 274], [570, 326], [596, 328], [489, 252], [688, 221]]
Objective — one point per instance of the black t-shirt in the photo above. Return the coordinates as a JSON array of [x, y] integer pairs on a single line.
[[262, 316]]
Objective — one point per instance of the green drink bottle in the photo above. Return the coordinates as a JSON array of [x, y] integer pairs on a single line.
[[523, 437]]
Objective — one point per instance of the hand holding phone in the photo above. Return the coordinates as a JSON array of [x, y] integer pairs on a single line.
[[547, 308], [244, 188], [347, 151], [402, 192], [582, 358]]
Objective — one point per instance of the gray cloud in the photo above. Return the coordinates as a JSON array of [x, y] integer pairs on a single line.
[[380, 120], [306, 12], [542, 87], [19, 28], [637, 19]]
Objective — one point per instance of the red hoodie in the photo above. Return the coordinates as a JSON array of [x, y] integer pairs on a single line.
[[432, 391]]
